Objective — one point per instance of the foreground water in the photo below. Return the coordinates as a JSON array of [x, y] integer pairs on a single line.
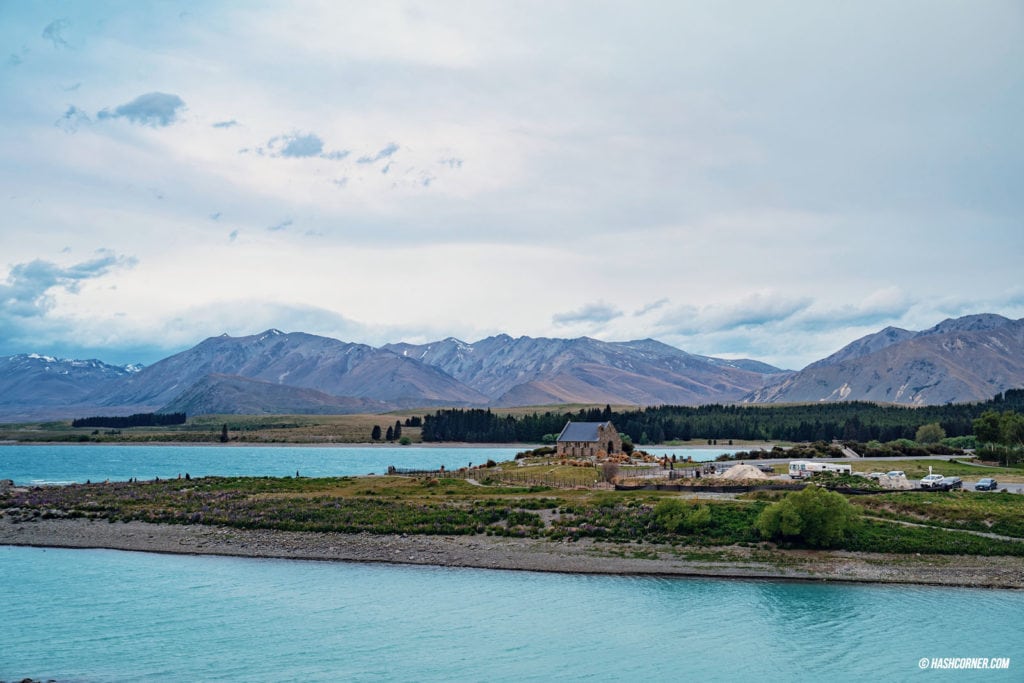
[[67, 463], [99, 615]]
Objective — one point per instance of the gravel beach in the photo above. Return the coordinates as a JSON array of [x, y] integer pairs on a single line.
[[495, 552]]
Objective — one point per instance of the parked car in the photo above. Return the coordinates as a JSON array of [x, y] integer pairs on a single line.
[[876, 476], [931, 481], [986, 484], [895, 474], [950, 483]]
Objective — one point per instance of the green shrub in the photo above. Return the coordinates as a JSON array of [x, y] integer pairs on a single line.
[[814, 516], [835, 480], [931, 433], [1001, 454], [676, 516], [960, 441]]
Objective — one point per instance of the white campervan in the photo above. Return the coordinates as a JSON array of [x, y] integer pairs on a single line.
[[801, 469]]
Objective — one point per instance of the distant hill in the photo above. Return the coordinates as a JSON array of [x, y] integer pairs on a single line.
[[229, 394], [961, 359]]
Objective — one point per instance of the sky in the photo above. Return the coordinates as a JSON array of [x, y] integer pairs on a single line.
[[766, 180]]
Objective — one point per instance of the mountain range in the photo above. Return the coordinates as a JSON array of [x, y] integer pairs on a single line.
[[36, 387], [537, 371], [963, 359]]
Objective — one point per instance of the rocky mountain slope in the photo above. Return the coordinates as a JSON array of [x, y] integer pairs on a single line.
[[534, 371], [963, 359], [230, 394], [34, 387], [299, 360]]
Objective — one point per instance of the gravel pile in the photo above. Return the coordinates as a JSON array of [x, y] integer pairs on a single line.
[[741, 472], [896, 483]]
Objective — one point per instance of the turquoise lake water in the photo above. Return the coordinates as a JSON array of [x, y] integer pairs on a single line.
[[67, 463], [57, 464], [99, 615]]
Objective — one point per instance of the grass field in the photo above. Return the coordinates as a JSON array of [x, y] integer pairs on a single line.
[[998, 513], [241, 428], [453, 507]]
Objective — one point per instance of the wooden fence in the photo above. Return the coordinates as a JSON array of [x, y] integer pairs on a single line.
[[586, 478]]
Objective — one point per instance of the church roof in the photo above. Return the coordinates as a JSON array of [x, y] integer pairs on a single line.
[[581, 431]]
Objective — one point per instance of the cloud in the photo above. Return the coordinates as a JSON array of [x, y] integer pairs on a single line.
[[591, 313], [15, 59], [152, 109], [283, 225], [756, 310], [233, 235], [244, 317], [821, 163], [384, 153], [879, 307], [653, 306], [122, 339], [54, 32], [759, 309], [297, 145], [27, 291], [1013, 298], [786, 331], [72, 119]]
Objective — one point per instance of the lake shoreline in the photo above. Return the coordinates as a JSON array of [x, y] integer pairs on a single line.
[[356, 444], [495, 552], [290, 444]]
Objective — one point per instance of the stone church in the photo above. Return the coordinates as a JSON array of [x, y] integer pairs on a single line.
[[588, 439]]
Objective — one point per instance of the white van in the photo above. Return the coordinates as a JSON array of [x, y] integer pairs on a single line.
[[801, 469]]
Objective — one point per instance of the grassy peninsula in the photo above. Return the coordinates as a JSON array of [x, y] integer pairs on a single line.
[[947, 534]]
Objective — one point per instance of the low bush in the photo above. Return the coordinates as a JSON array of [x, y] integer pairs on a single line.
[[814, 516], [674, 515]]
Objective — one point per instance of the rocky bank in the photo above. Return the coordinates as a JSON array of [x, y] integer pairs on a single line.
[[492, 552]]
